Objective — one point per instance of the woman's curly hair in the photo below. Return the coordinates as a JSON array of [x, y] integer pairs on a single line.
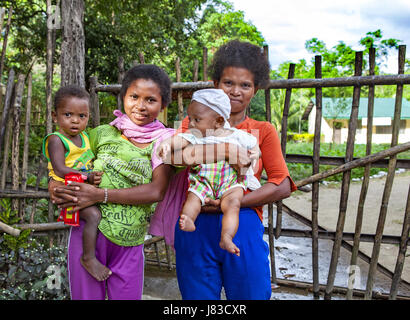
[[148, 72], [241, 54]]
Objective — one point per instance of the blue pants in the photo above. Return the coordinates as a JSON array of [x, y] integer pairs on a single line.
[[203, 268]]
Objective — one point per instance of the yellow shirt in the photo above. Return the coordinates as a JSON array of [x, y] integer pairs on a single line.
[[78, 158]]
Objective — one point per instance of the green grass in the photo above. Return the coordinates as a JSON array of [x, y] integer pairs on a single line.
[[300, 171]]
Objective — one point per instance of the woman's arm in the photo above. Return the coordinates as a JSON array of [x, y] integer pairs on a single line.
[[192, 155], [268, 193], [79, 195]]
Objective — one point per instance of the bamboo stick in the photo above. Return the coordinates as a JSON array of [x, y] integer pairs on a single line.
[[195, 73], [49, 72], [404, 241], [24, 194], [355, 163], [7, 106], [205, 64], [340, 82], [180, 101], [94, 107], [24, 165], [270, 205], [291, 83], [10, 230], [284, 129], [345, 180], [121, 72], [15, 150], [389, 179], [366, 178], [26, 134], [6, 148], [315, 185], [271, 245], [141, 57], [337, 289], [2, 13], [6, 35]]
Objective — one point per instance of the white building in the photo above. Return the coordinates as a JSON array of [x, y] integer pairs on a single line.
[[336, 114]]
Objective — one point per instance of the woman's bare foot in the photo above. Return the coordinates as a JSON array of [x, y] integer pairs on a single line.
[[227, 244], [96, 268], [186, 223]]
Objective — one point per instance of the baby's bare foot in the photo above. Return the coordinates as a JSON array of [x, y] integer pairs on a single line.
[[96, 268], [227, 244], [186, 223]]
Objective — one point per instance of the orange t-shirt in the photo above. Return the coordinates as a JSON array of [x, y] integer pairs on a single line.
[[271, 160]]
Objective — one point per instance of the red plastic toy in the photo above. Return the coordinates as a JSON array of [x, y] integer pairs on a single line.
[[73, 218]]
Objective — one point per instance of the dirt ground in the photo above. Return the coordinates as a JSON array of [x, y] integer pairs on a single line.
[[329, 198]]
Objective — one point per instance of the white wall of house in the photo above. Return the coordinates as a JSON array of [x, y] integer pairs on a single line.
[[382, 128]]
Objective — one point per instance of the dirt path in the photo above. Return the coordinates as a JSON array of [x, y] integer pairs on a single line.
[[329, 198]]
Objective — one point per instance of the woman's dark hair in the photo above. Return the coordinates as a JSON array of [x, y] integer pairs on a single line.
[[69, 92], [148, 72], [241, 54]]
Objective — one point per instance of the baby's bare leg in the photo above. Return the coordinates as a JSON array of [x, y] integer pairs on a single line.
[[92, 217], [230, 205], [190, 212]]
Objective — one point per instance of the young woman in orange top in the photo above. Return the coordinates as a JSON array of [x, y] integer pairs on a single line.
[[203, 268]]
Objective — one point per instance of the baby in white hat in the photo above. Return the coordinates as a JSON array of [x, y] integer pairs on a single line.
[[208, 113]]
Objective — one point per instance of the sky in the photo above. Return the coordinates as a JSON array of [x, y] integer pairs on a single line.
[[287, 24]]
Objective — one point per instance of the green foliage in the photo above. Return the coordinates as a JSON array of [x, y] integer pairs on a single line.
[[26, 274], [300, 137]]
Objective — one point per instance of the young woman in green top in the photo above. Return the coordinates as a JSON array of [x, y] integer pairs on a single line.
[[129, 187]]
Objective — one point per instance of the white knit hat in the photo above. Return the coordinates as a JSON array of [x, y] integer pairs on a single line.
[[216, 99]]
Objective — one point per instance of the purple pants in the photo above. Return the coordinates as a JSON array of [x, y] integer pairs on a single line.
[[126, 263]]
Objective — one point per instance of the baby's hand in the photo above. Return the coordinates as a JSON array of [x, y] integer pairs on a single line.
[[95, 177], [163, 150]]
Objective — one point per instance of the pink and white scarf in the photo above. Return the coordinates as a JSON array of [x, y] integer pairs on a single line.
[[154, 131], [167, 211]]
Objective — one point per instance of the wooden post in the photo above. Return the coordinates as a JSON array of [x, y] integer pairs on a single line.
[[120, 78], [204, 64], [26, 134], [94, 106], [6, 128], [283, 131], [26, 141], [389, 180], [195, 72], [4, 117], [366, 178], [270, 205], [141, 57], [15, 150], [72, 46], [315, 185], [345, 180], [402, 251], [49, 72], [10, 230], [6, 35], [179, 93], [2, 13]]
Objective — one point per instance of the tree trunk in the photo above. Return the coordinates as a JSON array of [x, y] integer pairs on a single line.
[[72, 47]]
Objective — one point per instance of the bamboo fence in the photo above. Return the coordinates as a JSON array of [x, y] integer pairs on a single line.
[[13, 182]]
